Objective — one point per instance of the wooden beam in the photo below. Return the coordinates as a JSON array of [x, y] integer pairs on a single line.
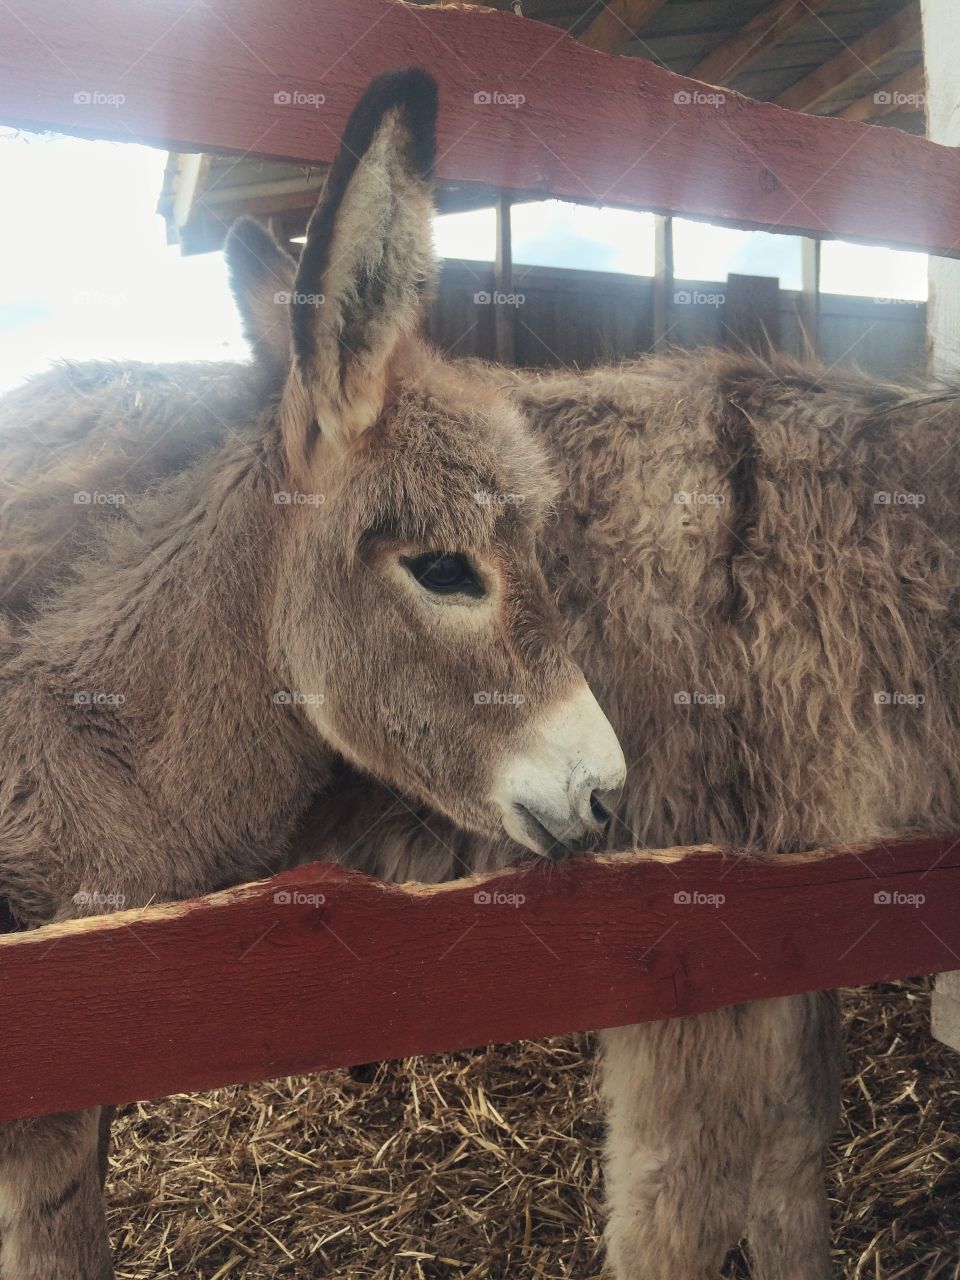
[[904, 92], [853, 60], [321, 967], [766, 28], [618, 22], [619, 130], [809, 308]]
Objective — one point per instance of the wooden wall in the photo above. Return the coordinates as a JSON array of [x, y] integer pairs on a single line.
[[565, 317]]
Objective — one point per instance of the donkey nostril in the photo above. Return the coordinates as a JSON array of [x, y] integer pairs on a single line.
[[599, 810]]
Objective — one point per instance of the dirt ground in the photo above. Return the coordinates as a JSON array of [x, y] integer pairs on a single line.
[[486, 1164]]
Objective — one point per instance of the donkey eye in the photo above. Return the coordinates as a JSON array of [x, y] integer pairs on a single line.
[[444, 574]]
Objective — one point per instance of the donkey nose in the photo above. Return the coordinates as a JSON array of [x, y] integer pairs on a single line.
[[578, 827], [594, 798], [557, 798]]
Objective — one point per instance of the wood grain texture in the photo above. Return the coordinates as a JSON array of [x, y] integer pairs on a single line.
[[621, 130], [321, 967], [768, 27], [618, 22], [853, 59], [890, 96]]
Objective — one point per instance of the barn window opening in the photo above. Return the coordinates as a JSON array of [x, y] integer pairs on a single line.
[[558, 233], [470, 234], [870, 271], [563, 233], [704, 251]]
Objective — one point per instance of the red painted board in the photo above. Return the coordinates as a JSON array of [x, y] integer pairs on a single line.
[[321, 967], [524, 107]]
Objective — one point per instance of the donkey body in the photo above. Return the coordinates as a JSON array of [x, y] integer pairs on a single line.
[[231, 591]]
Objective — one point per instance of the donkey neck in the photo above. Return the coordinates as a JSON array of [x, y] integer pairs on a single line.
[[165, 637]]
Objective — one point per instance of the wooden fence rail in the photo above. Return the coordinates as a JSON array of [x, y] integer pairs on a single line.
[[321, 967], [522, 108]]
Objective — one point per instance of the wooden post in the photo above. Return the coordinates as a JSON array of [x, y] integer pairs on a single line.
[[504, 313], [943, 334], [662, 280], [810, 295]]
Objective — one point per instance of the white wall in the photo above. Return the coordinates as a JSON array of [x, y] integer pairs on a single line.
[[941, 44]]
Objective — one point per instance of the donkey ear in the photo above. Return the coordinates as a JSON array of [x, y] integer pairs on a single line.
[[261, 277], [368, 255]]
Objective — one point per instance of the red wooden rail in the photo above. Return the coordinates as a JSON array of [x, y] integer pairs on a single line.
[[320, 967], [225, 75]]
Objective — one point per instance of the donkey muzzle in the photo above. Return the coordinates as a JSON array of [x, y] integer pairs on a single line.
[[558, 797]]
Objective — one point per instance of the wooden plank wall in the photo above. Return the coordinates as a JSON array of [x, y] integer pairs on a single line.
[[584, 318]]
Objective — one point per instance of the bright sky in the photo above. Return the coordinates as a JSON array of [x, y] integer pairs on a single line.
[[85, 270]]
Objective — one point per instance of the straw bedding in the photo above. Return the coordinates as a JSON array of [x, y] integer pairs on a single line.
[[486, 1164]]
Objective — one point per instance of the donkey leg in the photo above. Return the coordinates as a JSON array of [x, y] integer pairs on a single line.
[[676, 1191], [789, 1218], [717, 1126], [789, 1239], [52, 1224]]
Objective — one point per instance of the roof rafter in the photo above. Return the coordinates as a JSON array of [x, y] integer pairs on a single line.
[[859, 56], [904, 92], [618, 22], [764, 29]]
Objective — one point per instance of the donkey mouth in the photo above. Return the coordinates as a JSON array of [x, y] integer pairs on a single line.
[[542, 840]]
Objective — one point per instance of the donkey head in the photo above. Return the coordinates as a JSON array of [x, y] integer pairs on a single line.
[[411, 604]]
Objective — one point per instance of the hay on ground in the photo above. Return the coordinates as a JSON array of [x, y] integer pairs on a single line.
[[486, 1164]]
